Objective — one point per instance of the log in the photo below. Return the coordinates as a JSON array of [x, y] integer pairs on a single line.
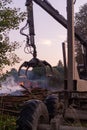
[[11, 112], [72, 128], [75, 114]]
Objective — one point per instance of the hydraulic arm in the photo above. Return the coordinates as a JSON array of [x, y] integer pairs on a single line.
[[34, 62], [30, 38], [30, 21]]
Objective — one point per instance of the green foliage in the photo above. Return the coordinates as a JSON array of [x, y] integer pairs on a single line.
[[81, 21], [10, 18], [79, 55], [7, 122], [81, 28]]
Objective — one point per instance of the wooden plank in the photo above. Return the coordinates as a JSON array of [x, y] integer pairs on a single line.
[[11, 112], [72, 128], [75, 114]]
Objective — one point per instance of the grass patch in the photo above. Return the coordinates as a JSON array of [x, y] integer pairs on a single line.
[[7, 122]]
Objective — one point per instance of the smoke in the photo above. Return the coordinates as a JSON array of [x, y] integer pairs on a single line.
[[12, 87], [9, 86], [12, 84]]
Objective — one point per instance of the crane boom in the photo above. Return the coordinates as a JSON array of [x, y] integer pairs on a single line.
[[57, 16]]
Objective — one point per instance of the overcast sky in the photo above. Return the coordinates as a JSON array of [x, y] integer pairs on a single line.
[[49, 34]]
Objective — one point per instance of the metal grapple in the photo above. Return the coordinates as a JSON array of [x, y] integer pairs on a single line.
[[34, 62]]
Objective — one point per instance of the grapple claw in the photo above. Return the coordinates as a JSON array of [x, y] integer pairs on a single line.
[[25, 64], [47, 64], [34, 62]]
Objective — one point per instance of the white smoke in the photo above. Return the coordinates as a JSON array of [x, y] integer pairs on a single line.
[[9, 86]]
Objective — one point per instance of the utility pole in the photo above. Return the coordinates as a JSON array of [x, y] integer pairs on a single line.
[[70, 39]]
